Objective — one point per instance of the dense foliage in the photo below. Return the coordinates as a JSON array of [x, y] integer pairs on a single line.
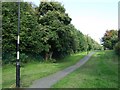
[[117, 46], [46, 31], [109, 39], [29, 26]]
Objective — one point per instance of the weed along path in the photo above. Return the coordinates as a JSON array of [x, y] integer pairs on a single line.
[[48, 81]]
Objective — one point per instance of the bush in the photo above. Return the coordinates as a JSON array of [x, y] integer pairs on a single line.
[[8, 58], [117, 48], [23, 58]]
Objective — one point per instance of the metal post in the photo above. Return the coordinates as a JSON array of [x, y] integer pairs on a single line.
[[18, 42]]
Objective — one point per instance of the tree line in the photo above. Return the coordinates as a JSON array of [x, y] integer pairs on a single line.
[[46, 32]]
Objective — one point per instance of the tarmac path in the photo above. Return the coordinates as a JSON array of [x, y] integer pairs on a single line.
[[47, 82]]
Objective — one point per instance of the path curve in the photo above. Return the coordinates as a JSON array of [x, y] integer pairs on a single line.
[[50, 80]]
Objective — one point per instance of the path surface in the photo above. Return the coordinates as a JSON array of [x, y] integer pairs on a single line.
[[50, 80]]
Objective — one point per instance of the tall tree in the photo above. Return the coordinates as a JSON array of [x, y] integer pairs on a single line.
[[110, 38], [52, 15], [28, 28]]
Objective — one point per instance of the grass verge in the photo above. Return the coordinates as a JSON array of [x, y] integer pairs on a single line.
[[101, 71], [0, 77], [36, 70]]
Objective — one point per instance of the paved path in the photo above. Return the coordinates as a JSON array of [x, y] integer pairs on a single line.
[[50, 80]]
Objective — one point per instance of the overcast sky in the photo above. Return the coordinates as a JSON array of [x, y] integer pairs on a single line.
[[91, 17]]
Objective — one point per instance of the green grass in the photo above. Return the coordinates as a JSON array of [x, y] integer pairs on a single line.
[[101, 71], [0, 77], [35, 70]]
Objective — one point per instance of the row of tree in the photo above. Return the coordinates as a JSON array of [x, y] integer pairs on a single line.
[[46, 31]]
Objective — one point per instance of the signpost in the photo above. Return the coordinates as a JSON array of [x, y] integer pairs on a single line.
[[18, 43]]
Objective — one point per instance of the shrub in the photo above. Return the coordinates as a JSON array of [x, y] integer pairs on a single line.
[[23, 58], [8, 58], [117, 48]]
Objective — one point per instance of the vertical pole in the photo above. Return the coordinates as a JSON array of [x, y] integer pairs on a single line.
[[18, 42]]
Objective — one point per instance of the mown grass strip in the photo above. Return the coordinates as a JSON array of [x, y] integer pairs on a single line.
[[101, 71], [36, 70]]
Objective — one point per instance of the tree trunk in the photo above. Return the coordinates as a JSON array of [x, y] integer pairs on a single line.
[[46, 56], [51, 53]]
